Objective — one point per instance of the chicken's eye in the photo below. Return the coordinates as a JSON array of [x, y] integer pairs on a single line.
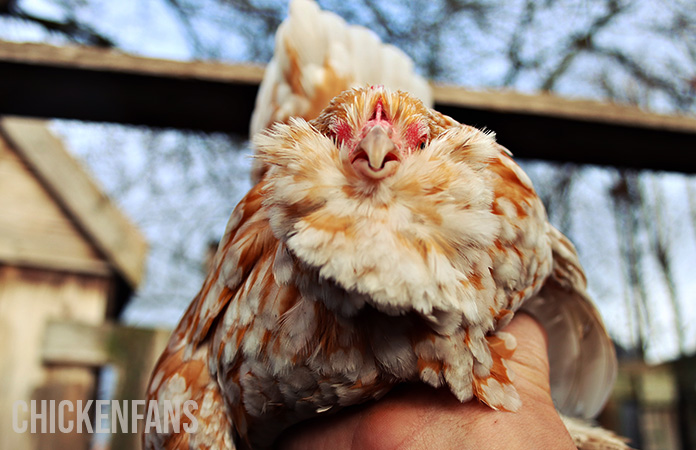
[[422, 145]]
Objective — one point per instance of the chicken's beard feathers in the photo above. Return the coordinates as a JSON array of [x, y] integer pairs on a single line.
[[416, 241]]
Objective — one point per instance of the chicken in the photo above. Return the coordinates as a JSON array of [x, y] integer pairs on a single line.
[[382, 243]]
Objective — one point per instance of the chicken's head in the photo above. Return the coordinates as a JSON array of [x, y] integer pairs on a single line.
[[376, 129]]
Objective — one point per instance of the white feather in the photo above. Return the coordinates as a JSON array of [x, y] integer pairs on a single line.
[[325, 47]]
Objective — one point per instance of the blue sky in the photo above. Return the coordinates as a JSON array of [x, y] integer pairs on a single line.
[[192, 213]]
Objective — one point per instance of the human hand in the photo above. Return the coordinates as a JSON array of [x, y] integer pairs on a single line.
[[418, 416]]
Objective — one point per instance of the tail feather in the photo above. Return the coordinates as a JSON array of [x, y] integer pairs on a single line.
[[318, 56], [581, 353], [588, 437]]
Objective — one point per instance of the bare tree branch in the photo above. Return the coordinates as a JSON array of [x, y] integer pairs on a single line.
[[659, 241], [652, 81], [556, 196], [582, 42], [73, 30], [184, 18], [625, 196], [514, 53]]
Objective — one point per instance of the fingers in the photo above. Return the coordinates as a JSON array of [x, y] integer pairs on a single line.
[[530, 361]]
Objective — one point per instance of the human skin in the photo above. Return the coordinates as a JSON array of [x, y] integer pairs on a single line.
[[420, 417]]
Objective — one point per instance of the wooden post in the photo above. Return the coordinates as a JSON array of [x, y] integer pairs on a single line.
[[131, 351]]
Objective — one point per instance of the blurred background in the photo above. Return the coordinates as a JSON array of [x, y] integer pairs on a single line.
[[634, 224]]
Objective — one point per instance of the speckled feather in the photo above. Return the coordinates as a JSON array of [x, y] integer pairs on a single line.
[[330, 287]]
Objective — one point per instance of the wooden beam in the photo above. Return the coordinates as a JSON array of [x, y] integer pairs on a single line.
[[511, 102], [107, 86], [75, 343], [104, 60], [83, 344], [551, 128], [103, 85]]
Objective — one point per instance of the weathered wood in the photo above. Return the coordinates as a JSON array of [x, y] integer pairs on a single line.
[[34, 231], [101, 222], [84, 344], [98, 59], [65, 383], [103, 85], [652, 394], [75, 343], [132, 351], [66, 253], [28, 299], [551, 128], [573, 140], [510, 102]]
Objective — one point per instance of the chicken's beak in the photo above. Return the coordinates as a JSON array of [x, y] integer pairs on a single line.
[[376, 156]]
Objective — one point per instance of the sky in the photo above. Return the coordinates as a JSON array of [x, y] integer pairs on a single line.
[[201, 208]]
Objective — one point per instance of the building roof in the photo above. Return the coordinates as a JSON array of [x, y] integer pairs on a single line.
[[116, 241]]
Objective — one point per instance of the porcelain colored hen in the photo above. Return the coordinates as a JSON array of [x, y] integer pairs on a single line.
[[382, 243]]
